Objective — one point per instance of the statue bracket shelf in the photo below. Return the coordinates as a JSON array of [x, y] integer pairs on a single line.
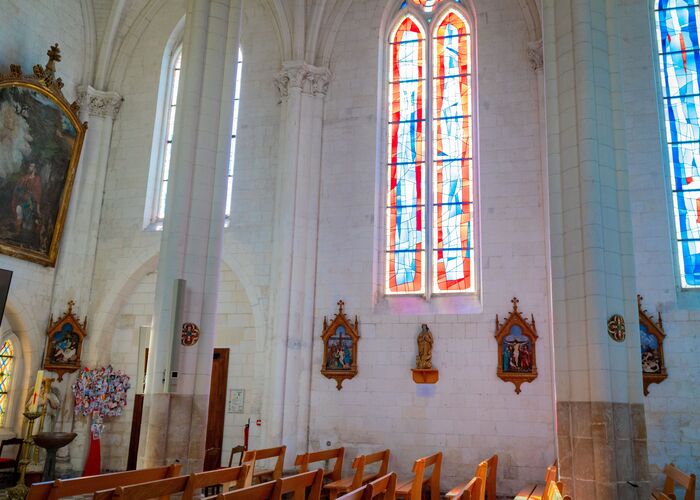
[[426, 376]]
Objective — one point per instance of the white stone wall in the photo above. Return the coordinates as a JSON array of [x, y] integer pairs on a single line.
[[672, 408], [470, 413], [28, 29]]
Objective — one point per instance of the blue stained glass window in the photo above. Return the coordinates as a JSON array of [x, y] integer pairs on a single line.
[[679, 60]]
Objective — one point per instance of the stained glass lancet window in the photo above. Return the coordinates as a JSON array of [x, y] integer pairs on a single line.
[[452, 156], [429, 189], [7, 359], [677, 35], [405, 200]]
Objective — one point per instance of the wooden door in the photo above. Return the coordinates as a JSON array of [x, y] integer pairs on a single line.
[[217, 409]]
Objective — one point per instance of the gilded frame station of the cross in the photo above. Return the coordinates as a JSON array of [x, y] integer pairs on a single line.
[[340, 338], [517, 354], [652, 337]]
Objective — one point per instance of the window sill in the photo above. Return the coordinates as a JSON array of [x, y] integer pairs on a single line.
[[437, 304]]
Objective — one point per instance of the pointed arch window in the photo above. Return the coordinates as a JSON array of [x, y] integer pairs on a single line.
[[430, 191], [168, 136], [679, 61], [7, 360]]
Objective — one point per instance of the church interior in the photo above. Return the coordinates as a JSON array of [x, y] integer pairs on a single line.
[[432, 248]]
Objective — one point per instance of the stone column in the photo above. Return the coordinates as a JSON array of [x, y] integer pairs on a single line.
[[302, 88], [175, 409], [600, 414], [75, 265]]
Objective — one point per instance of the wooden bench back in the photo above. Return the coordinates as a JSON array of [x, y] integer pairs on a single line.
[[419, 471], [491, 477], [469, 491], [262, 491], [252, 456], [238, 477], [481, 473], [144, 491], [299, 483], [385, 485], [60, 488], [357, 494], [676, 476], [552, 492], [302, 461], [361, 461]]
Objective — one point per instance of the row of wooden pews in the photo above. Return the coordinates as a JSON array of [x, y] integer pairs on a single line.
[[316, 476]]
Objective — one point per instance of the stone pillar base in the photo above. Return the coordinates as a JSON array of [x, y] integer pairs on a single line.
[[603, 450]]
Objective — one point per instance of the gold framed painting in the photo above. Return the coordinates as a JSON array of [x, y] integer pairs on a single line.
[[41, 138], [517, 353], [340, 338]]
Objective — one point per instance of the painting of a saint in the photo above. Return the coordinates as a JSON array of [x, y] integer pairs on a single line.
[[36, 146], [517, 351], [339, 350], [651, 357]]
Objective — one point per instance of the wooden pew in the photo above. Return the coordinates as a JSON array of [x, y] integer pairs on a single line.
[[481, 473], [357, 494], [262, 491], [536, 491], [237, 477], [162, 488], [468, 491], [298, 485], [303, 460], [273, 490], [267, 474], [553, 491], [51, 490], [413, 488], [676, 476], [385, 485], [359, 478]]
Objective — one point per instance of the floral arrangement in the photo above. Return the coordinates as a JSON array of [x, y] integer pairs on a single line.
[[101, 393]]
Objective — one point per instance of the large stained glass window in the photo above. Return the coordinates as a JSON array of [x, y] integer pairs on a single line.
[[430, 193], [7, 359], [679, 60]]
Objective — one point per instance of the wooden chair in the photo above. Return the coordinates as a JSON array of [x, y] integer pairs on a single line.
[[468, 491], [238, 477], [413, 488], [385, 485], [264, 491], [267, 474], [536, 491], [11, 463], [359, 478], [236, 449], [676, 476], [302, 462], [162, 488], [481, 474], [298, 485], [59, 488]]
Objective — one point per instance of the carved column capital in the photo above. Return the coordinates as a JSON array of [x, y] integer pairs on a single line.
[[311, 80], [98, 102], [535, 54]]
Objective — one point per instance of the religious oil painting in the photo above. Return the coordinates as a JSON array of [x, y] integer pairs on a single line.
[[516, 337], [340, 338], [651, 339], [40, 142], [64, 343]]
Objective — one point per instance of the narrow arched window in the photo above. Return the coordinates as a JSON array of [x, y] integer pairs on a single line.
[[430, 193], [7, 360], [679, 60], [167, 136]]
